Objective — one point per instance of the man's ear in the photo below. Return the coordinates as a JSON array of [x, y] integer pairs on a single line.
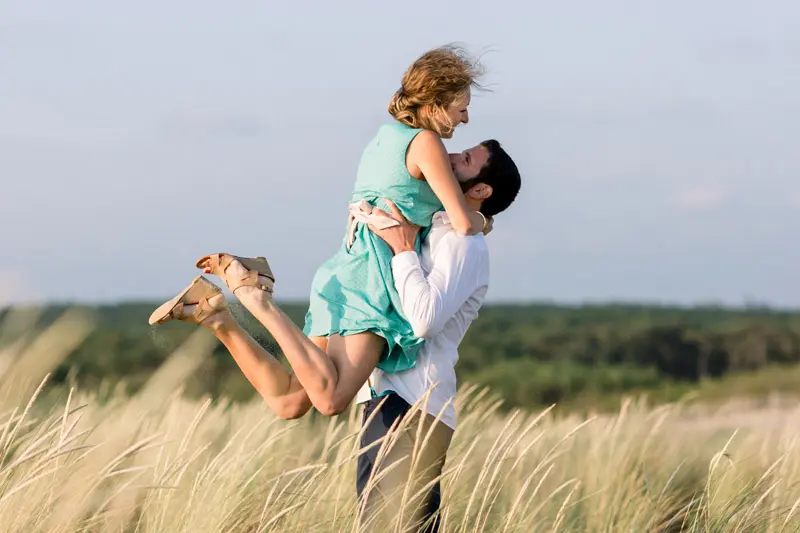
[[481, 191]]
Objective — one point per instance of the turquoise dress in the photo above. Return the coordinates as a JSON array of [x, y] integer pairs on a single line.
[[354, 291]]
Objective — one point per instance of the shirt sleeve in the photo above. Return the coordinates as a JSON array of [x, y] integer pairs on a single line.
[[429, 302]]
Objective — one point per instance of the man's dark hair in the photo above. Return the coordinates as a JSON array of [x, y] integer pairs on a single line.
[[501, 174]]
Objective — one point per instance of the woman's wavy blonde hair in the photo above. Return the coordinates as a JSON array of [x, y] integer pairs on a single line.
[[435, 81]]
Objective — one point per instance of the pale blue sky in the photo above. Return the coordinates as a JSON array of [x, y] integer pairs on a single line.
[[657, 141]]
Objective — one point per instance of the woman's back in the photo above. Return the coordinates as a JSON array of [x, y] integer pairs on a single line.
[[382, 173]]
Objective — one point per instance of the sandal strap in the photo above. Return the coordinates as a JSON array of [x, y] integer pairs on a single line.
[[218, 263], [224, 260], [248, 280], [176, 313], [203, 310]]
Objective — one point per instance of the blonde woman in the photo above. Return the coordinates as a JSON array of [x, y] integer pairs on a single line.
[[354, 322]]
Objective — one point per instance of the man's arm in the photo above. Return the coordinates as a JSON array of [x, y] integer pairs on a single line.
[[430, 302], [456, 273]]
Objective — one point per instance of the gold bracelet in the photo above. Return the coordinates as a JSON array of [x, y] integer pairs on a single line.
[[485, 222]]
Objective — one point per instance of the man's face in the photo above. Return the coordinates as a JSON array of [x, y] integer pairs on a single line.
[[469, 163]]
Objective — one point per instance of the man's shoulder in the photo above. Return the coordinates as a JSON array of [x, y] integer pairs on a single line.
[[471, 248], [476, 243]]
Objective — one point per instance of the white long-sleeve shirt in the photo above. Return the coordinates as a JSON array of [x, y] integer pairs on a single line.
[[441, 293]]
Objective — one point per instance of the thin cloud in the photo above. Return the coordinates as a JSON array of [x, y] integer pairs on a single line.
[[209, 123], [702, 198]]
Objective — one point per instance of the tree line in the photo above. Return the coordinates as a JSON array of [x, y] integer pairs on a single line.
[[530, 354]]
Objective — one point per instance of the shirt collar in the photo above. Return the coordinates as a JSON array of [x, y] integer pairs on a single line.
[[439, 219]]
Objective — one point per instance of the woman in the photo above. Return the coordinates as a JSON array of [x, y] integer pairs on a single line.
[[353, 323]]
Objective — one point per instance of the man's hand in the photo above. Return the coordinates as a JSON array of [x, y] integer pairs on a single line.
[[399, 238]]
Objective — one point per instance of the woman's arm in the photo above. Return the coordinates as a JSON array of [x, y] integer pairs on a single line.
[[427, 154]]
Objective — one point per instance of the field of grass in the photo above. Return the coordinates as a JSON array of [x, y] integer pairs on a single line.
[[101, 461]]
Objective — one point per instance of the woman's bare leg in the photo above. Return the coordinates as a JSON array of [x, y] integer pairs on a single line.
[[330, 379], [281, 390]]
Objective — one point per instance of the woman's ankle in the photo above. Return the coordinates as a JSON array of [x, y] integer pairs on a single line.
[[250, 295], [220, 323]]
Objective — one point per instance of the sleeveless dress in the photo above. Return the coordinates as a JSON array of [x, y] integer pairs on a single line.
[[353, 291]]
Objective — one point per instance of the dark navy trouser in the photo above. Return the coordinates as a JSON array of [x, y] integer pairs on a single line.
[[393, 408]]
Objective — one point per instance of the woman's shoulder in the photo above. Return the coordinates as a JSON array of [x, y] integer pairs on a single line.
[[398, 128]]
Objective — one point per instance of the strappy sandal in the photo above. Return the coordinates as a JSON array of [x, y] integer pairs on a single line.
[[198, 293], [256, 266]]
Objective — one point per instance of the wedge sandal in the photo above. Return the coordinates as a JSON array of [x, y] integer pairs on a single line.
[[198, 293], [256, 266]]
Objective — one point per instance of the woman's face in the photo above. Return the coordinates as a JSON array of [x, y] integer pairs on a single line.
[[458, 113]]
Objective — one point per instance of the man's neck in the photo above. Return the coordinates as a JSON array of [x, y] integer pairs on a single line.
[[473, 205]]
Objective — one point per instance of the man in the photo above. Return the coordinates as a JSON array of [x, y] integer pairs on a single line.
[[441, 292]]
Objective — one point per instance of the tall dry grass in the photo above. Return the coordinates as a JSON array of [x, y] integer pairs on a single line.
[[157, 462]]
